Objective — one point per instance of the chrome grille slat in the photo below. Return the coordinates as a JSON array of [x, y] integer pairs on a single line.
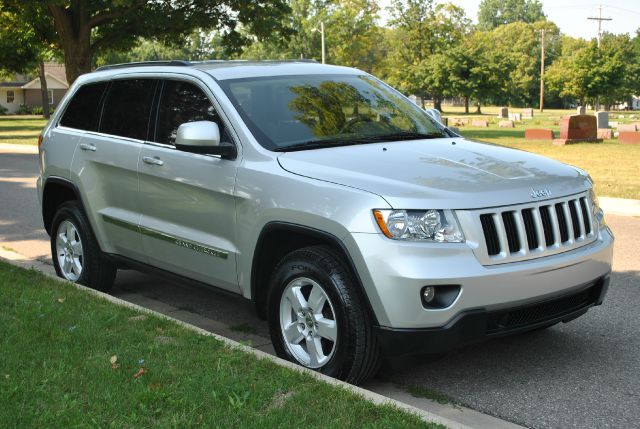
[[532, 230]]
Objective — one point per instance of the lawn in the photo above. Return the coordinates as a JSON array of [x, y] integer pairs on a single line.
[[71, 359], [21, 129]]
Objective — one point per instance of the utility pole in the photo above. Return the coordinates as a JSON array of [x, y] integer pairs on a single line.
[[542, 70], [321, 30], [599, 18]]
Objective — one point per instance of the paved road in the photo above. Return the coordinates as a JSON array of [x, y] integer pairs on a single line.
[[585, 374]]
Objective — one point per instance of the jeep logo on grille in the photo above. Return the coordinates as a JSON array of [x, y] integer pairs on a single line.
[[540, 193]]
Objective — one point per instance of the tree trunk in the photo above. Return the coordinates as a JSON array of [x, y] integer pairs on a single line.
[[478, 112], [466, 104], [74, 31], [437, 103], [44, 91]]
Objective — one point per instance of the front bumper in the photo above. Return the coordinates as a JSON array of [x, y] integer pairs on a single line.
[[394, 272], [478, 325]]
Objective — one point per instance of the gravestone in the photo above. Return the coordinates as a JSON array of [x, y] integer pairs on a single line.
[[504, 113], [577, 129], [602, 118], [581, 110], [515, 117], [479, 123], [629, 137], [627, 127], [605, 133], [505, 124], [527, 113], [538, 134]]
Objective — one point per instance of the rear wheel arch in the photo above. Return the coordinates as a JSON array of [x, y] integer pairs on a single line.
[[277, 240], [56, 192]]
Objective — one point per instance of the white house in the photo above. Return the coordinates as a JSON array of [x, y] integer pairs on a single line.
[[21, 91]]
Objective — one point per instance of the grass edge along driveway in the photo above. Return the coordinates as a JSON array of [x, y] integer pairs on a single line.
[[70, 358]]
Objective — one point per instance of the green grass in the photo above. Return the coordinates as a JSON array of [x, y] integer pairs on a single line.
[[613, 166], [21, 129], [56, 371]]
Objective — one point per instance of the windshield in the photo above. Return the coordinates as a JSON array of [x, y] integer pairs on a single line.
[[315, 111]]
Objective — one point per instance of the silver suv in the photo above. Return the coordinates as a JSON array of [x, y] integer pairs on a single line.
[[359, 226]]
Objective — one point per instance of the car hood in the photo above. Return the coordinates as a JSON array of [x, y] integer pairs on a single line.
[[440, 173]]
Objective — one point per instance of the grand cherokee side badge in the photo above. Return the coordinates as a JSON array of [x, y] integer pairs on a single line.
[[540, 193]]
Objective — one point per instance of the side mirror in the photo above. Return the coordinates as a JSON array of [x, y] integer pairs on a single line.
[[203, 137]]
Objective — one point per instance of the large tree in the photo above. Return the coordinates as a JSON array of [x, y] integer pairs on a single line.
[[83, 28], [494, 13], [421, 36]]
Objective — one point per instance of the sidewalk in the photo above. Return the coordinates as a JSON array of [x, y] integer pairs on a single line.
[[620, 206]]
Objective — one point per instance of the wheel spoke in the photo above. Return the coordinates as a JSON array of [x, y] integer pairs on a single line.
[[61, 241], [317, 298], [314, 348], [292, 334], [71, 232], [76, 266], [327, 329], [66, 265], [296, 299], [77, 248]]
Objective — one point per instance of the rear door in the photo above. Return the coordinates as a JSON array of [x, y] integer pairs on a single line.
[[188, 208], [106, 163]]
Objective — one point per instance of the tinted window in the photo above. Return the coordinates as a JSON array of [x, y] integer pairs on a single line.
[[83, 110], [126, 109], [182, 102]]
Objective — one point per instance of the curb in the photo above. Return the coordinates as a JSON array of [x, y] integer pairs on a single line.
[[620, 206], [18, 148], [23, 262]]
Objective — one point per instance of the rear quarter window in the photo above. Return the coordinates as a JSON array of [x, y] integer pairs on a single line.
[[83, 112], [127, 108]]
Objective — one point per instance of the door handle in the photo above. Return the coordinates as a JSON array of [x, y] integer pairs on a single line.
[[87, 146], [152, 160]]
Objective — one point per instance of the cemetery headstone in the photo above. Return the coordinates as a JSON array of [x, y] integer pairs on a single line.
[[578, 128]]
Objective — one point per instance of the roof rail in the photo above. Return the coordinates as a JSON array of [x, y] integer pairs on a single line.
[[144, 64]]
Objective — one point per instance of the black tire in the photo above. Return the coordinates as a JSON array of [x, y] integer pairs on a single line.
[[97, 272], [356, 356]]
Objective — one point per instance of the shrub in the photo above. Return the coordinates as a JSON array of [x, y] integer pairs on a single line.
[[3, 110], [23, 110], [37, 110]]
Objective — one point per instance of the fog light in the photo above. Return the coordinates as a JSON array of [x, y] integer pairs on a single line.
[[428, 293]]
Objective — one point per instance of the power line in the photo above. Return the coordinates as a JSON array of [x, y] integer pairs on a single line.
[[599, 18]]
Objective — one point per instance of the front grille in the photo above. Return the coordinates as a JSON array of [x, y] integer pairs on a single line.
[[508, 320], [535, 230]]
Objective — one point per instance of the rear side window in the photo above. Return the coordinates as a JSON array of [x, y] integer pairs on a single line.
[[182, 102], [127, 107], [82, 113]]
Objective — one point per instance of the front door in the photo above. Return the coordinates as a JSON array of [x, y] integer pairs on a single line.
[[186, 200]]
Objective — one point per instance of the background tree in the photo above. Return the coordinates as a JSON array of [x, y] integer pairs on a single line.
[[421, 35], [83, 28], [494, 13], [23, 51]]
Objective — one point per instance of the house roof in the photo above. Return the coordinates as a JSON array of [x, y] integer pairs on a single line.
[[11, 84], [35, 83]]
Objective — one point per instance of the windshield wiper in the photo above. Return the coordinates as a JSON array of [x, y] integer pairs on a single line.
[[348, 141]]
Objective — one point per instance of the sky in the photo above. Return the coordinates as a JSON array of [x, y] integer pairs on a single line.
[[571, 15]]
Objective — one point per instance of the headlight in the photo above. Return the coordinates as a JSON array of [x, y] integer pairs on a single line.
[[438, 226]]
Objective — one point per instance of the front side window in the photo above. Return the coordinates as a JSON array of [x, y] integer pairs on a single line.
[[182, 102], [127, 107], [11, 96], [82, 112], [315, 111]]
